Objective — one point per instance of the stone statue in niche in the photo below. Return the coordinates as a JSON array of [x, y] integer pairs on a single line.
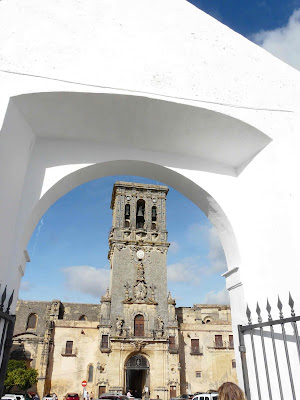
[[160, 325], [127, 297], [140, 291], [140, 272], [119, 326]]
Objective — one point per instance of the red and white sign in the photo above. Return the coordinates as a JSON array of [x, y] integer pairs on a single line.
[[83, 383]]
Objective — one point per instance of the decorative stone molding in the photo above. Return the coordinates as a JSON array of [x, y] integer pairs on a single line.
[[138, 344]]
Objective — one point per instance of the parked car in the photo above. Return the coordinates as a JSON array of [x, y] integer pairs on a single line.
[[10, 396], [206, 396], [51, 396], [72, 396], [183, 397], [110, 396]]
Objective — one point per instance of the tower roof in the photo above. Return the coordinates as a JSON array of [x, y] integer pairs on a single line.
[[137, 187]]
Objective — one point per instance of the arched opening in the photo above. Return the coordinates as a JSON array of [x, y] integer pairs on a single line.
[[137, 375], [140, 214], [31, 321], [207, 197], [90, 373], [139, 326], [82, 318], [153, 217], [127, 215]]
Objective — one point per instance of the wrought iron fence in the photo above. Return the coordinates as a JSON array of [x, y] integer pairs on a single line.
[[7, 322], [254, 329]]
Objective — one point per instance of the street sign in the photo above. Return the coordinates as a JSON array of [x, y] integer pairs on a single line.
[[83, 383]]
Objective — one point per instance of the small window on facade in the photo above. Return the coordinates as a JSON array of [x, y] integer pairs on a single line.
[[32, 321], [195, 346], [218, 341], [82, 318], [104, 342], [233, 364], [69, 347], [90, 373], [198, 374], [231, 344], [140, 213], [172, 342]]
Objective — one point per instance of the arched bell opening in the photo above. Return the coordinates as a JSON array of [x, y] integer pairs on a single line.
[[137, 371]]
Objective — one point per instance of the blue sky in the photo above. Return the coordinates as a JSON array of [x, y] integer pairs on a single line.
[[249, 17], [69, 247]]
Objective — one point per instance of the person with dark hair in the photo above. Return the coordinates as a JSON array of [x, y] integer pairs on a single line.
[[230, 391]]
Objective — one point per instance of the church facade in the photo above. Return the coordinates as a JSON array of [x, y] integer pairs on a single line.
[[136, 339]]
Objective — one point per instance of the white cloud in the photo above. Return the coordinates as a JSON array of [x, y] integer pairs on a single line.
[[174, 247], [190, 269], [183, 271], [25, 286], [86, 279], [221, 297], [283, 42], [208, 235]]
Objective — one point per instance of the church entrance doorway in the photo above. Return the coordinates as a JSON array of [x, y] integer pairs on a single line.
[[137, 375]]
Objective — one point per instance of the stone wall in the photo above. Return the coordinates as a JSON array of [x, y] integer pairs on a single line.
[[214, 363]]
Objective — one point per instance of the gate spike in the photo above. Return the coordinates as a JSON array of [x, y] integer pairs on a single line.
[[291, 304], [10, 301], [258, 311], [248, 313], [3, 299], [268, 308], [279, 305]]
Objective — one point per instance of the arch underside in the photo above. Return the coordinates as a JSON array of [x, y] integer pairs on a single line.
[[198, 138]]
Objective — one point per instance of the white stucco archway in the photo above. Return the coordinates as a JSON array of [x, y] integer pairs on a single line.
[[220, 111]]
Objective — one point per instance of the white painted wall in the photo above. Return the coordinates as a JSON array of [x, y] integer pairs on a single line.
[[152, 56]]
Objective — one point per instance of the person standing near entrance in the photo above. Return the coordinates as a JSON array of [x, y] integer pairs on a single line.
[[129, 394]]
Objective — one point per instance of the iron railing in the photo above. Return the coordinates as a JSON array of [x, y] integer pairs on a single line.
[[7, 323], [254, 329], [197, 351]]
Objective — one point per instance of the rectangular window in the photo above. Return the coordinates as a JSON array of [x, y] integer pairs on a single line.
[[233, 364], [69, 347], [198, 374], [104, 342], [172, 342], [231, 341], [195, 346], [219, 341]]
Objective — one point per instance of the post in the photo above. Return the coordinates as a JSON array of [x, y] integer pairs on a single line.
[[242, 349]]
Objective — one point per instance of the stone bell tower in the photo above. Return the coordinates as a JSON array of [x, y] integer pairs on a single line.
[[138, 256]]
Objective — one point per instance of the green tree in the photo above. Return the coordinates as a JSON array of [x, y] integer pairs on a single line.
[[19, 375]]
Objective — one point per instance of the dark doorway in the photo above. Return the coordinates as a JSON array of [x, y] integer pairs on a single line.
[[137, 375], [136, 380]]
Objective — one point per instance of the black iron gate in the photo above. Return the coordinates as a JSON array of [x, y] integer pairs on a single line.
[[257, 329], [7, 323]]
